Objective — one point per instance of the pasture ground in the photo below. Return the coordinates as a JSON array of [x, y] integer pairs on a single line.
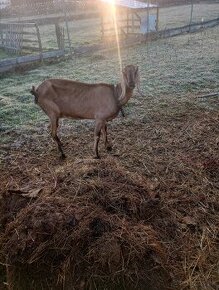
[[162, 174]]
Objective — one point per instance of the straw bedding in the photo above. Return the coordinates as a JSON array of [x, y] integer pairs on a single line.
[[147, 219]]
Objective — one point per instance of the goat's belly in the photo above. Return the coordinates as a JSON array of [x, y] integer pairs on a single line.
[[77, 116], [113, 116]]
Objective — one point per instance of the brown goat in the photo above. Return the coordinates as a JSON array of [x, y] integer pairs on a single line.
[[60, 98]]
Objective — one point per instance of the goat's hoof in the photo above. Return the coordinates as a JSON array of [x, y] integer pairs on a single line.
[[63, 156], [96, 157], [109, 148]]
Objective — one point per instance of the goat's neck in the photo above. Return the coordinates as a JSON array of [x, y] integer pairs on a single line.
[[123, 96]]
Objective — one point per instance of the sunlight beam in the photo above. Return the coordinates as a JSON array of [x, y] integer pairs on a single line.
[[113, 8]]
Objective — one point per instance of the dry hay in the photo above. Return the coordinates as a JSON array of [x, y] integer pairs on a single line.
[[155, 207], [90, 239]]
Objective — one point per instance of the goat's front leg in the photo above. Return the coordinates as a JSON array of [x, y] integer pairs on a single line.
[[98, 126], [106, 142]]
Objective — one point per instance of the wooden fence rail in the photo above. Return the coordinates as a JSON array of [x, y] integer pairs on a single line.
[[10, 64]]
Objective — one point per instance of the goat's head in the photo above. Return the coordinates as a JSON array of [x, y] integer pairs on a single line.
[[130, 76]]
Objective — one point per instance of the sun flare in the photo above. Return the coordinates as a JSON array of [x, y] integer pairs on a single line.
[[113, 10]]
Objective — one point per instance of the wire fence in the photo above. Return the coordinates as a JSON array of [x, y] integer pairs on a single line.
[[56, 27]]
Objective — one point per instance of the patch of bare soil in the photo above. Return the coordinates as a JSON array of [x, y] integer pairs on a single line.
[[145, 219]]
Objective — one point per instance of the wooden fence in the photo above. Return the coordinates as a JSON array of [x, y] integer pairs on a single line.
[[17, 37], [8, 65]]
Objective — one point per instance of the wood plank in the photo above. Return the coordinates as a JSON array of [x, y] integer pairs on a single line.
[[11, 48], [23, 47], [125, 20], [30, 41], [19, 32], [17, 24], [105, 24], [120, 27], [8, 64]]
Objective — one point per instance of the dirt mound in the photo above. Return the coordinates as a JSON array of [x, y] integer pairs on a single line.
[[82, 244], [90, 236]]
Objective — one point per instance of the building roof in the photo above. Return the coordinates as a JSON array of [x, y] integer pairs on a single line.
[[132, 4]]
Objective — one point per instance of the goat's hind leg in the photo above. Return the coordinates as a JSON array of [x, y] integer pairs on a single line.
[[54, 127], [108, 146]]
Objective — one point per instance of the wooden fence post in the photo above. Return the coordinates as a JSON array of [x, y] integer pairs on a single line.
[[191, 14], [60, 36], [39, 41], [157, 21], [67, 28]]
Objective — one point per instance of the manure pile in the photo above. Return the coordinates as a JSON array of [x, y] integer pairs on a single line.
[[146, 220], [107, 236]]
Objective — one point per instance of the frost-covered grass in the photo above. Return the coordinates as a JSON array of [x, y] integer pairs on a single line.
[[169, 67], [180, 15]]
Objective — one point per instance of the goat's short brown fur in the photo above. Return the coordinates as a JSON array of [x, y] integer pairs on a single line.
[[60, 98]]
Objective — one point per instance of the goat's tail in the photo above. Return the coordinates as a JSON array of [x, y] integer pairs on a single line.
[[34, 92]]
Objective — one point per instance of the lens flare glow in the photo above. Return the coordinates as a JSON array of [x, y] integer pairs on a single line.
[[113, 8]]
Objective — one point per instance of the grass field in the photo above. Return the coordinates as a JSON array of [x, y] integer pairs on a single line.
[[166, 144], [179, 16]]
